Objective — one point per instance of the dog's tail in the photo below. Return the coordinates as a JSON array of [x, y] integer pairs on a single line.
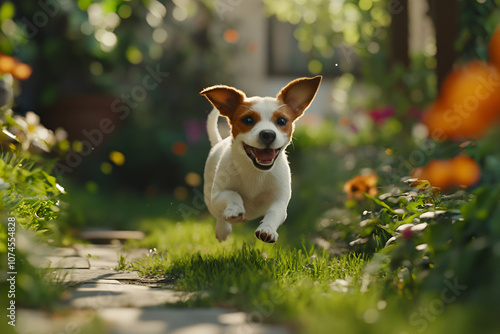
[[212, 128]]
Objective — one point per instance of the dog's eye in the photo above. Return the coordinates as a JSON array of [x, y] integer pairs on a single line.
[[281, 121], [248, 120]]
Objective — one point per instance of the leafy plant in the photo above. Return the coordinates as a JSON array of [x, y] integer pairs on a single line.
[[30, 198]]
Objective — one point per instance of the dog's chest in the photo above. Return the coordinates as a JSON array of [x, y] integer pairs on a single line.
[[257, 196], [256, 187]]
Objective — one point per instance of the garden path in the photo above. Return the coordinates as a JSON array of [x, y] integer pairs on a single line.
[[123, 302]]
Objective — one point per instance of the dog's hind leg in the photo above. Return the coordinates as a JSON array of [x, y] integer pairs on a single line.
[[222, 229]]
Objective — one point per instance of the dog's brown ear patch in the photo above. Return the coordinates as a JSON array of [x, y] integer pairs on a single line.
[[299, 93], [226, 99]]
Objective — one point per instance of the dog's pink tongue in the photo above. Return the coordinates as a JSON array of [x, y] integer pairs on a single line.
[[265, 155]]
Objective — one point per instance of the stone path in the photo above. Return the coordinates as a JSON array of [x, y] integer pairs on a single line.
[[123, 303]]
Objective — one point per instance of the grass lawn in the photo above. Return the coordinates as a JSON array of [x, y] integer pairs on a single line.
[[305, 288]]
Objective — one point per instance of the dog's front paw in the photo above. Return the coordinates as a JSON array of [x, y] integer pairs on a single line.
[[222, 230], [266, 234], [234, 214]]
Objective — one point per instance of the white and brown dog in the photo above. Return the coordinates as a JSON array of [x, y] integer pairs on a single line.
[[247, 174]]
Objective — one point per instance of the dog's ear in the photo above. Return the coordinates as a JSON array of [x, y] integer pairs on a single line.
[[299, 93], [226, 99]]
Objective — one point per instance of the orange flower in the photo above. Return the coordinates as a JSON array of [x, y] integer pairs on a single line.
[[22, 71], [9, 64], [494, 51], [361, 184], [437, 172], [469, 103], [460, 171], [466, 171]]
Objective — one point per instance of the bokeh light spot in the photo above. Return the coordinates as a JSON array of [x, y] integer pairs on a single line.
[[160, 35], [77, 146], [91, 187], [252, 47], [134, 55], [95, 68], [179, 148], [106, 168], [125, 11], [193, 179], [181, 193], [315, 66], [231, 36], [22, 71], [117, 157], [365, 4], [7, 63]]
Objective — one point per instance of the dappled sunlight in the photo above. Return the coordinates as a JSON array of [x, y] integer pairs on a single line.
[[191, 236]]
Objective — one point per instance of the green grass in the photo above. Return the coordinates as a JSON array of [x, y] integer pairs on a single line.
[[305, 288]]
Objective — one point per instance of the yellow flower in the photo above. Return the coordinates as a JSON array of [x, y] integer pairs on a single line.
[[361, 184]]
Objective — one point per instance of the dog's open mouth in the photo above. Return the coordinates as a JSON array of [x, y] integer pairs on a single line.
[[263, 158]]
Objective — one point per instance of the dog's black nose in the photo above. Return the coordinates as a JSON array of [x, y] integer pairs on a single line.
[[267, 137]]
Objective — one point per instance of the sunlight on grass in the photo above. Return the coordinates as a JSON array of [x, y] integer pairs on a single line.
[[273, 282], [180, 238], [305, 287]]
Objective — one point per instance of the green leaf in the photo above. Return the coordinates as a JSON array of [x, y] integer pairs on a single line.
[[381, 203], [52, 180], [413, 207]]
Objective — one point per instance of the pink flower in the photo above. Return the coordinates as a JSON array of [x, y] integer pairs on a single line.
[[194, 130], [379, 115], [407, 233]]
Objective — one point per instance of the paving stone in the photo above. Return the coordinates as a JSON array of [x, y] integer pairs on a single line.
[[108, 256], [149, 320], [67, 262], [84, 275], [101, 256], [183, 321], [62, 251], [102, 281], [127, 308], [106, 236], [40, 322], [105, 252], [97, 295], [102, 264], [135, 253]]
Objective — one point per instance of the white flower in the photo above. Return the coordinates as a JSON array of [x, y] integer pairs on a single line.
[[35, 133]]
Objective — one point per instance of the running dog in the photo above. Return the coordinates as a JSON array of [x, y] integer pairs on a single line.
[[247, 175]]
